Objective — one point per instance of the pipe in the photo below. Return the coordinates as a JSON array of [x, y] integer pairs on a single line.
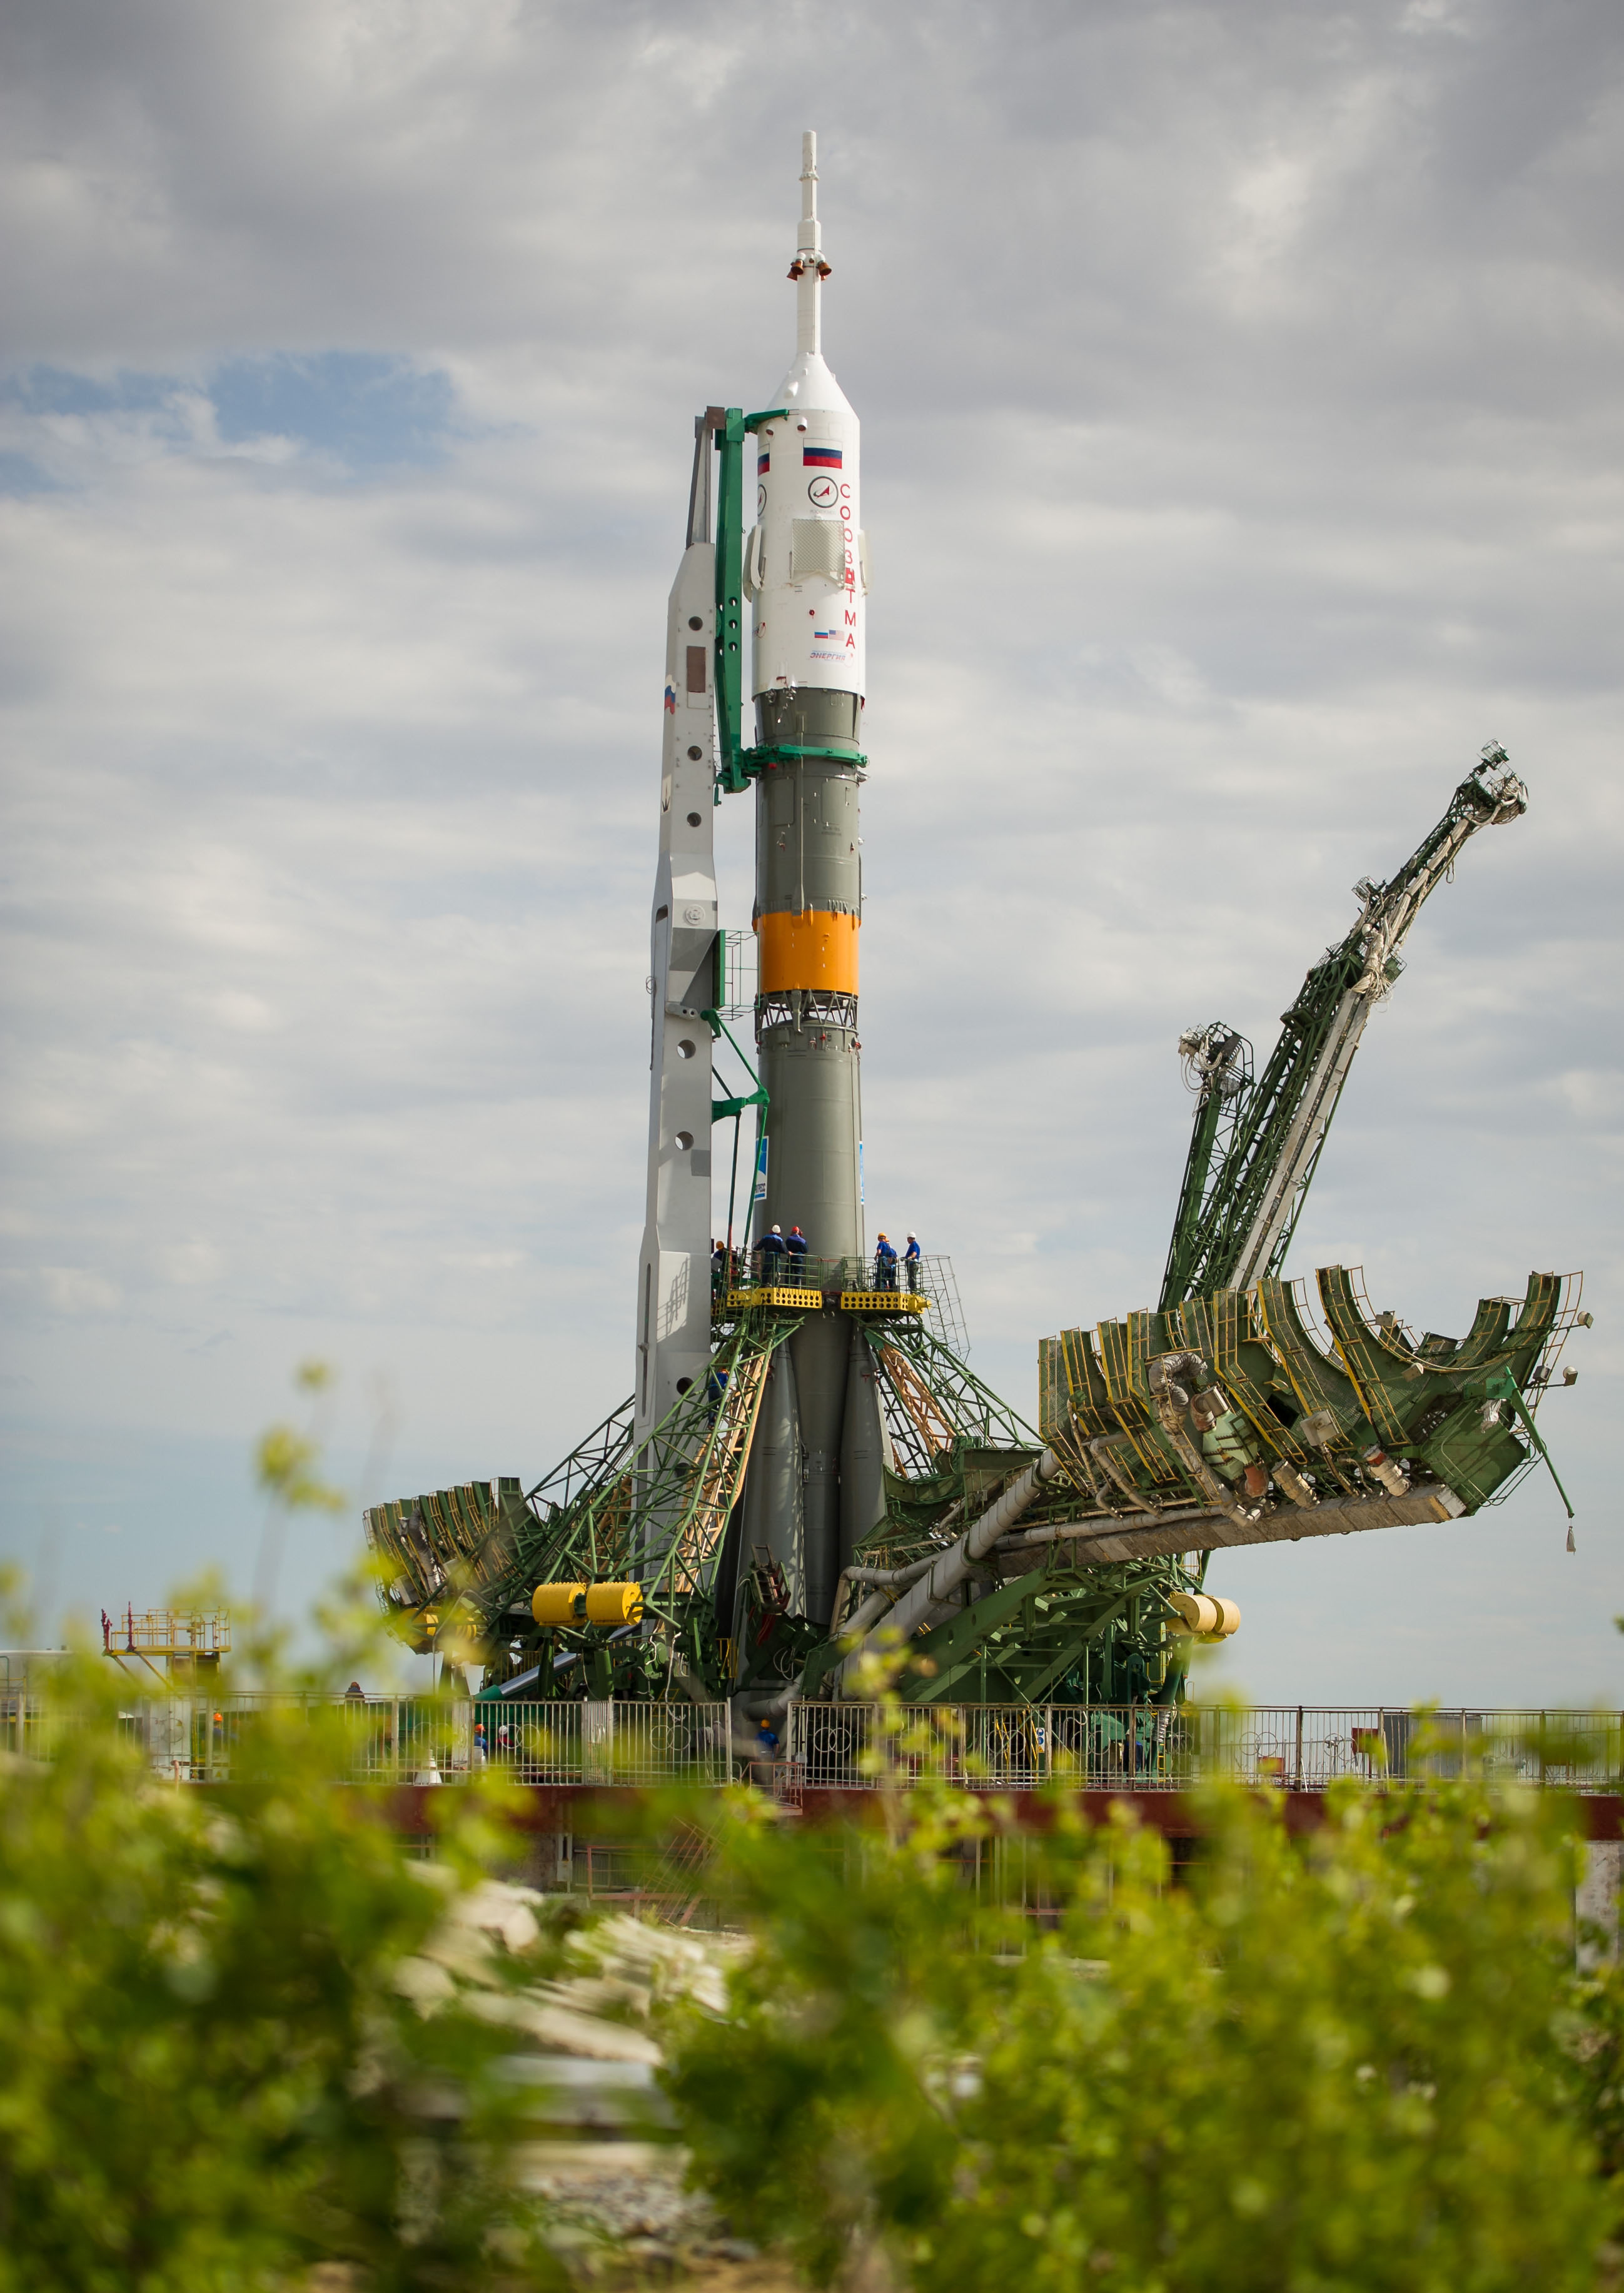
[[867, 1611], [1067, 1532], [897, 1576], [1213, 1532], [1143, 1536], [1194, 1464], [948, 1570], [1101, 1449], [1173, 1398], [769, 1702]]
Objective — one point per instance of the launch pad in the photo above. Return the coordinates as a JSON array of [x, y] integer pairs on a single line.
[[807, 1467]]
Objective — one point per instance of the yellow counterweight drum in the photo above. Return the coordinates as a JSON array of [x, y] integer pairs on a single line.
[[614, 1604], [1204, 1614], [555, 1604], [587, 1604]]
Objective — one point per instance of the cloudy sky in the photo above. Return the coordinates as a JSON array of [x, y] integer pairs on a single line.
[[1241, 391]]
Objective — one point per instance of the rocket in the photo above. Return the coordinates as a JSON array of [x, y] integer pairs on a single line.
[[814, 1486], [805, 574]]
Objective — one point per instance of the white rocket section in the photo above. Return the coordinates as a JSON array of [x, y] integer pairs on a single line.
[[805, 559], [673, 1313]]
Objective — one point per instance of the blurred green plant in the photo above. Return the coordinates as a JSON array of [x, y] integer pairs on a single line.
[[240, 2032], [286, 1461], [1358, 2058], [287, 1468]]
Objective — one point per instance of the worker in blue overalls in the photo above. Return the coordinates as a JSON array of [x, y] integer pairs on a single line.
[[911, 1260], [795, 1247], [885, 1264]]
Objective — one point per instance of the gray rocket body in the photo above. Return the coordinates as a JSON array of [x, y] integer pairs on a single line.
[[864, 1451], [774, 1492], [808, 905]]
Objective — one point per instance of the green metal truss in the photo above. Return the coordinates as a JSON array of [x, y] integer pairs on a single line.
[[1082, 1636], [1253, 1138], [652, 1512], [1098, 1632]]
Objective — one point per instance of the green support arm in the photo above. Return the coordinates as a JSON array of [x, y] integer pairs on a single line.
[[722, 1107], [1500, 1386]]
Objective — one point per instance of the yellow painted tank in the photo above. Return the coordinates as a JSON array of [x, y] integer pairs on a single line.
[[555, 1604], [587, 1604]]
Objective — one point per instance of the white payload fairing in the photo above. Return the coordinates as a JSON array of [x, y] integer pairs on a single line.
[[805, 567]]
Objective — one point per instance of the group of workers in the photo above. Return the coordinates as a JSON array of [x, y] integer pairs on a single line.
[[781, 1258]]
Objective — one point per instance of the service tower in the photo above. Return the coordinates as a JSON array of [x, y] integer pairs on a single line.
[[814, 1486]]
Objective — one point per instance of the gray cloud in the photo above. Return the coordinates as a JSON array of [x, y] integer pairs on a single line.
[[1242, 450]]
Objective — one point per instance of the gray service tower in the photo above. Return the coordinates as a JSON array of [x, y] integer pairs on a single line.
[[814, 1485]]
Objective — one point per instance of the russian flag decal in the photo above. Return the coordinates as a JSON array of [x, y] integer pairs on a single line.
[[764, 463], [821, 457]]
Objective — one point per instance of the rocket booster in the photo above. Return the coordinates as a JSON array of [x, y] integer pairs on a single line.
[[673, 1312]]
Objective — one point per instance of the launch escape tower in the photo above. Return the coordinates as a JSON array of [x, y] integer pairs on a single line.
[[804, 1461]]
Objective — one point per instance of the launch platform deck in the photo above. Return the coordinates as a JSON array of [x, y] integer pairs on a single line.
[[805, 1298]]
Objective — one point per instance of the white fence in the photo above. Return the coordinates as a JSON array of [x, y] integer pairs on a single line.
[[403, 1739], [1149, 1748], [400, 1740], [608, 1743]]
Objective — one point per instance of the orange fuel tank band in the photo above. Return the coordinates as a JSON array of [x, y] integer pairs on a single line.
[[816, 950]]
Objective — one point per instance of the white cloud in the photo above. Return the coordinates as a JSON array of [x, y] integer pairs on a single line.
[[75, 1290]]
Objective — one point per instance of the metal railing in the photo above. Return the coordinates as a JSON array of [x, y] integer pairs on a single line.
[[32, 1726], [1149, 1748], [168, 1632], [403, 1739], [928, 1278], [608, 1743]]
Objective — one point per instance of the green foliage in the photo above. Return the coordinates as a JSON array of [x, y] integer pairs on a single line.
[[240, 2033], [1359, 2059], [1597, 2039]]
